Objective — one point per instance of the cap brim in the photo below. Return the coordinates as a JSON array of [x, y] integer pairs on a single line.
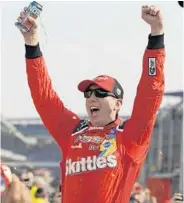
[[83, 85]]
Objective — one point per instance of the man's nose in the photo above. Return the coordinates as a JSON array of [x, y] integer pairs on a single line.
[[93, 97]]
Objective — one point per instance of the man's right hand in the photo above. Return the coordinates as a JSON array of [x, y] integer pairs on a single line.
[[31, 37]]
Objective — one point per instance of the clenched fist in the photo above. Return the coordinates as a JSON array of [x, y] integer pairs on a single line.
[[152, 16]]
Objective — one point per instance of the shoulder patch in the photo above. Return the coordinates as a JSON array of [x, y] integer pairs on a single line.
[[81, 125]]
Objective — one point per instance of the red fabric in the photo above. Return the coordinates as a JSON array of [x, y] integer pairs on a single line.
[[93, 176], [4, 170], [138, 188], [160, 188], [104, 81]]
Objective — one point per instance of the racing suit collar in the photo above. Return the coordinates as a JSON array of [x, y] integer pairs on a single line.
[[110, 125]]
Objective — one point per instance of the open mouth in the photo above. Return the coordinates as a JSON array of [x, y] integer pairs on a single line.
[[94, 110]]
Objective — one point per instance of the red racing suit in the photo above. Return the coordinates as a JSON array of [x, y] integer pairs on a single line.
[[100, 164]]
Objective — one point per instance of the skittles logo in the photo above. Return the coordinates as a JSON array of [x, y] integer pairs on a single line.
[[108, 146]]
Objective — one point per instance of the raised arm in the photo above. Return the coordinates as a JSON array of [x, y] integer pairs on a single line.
[[138, 129], [55, 116]]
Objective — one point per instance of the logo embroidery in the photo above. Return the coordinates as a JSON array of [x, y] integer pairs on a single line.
[[86, 139], [100, 78], [108, 146], [79, 146], [90, 164], [152, 66], [93, 147], [95, 128]]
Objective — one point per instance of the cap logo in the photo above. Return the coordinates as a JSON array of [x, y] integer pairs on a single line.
[[118, 91], [100, 78]]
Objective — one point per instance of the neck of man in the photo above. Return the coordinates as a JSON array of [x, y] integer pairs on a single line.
[[105, 122]]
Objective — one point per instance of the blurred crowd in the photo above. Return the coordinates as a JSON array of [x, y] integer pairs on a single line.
[[40, 186], [141, 194]]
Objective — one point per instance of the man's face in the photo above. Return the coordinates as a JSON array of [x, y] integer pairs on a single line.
[[140, 196], [27, 178], [102, 111]]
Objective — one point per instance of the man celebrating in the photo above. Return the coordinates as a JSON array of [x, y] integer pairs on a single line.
[[102, 157]]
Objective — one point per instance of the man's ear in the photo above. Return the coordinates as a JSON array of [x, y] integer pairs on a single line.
[[119, 104]]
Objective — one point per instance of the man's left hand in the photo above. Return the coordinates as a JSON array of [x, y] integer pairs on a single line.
[[152, 15]]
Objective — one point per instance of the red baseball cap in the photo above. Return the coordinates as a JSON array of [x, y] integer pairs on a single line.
[[105, 82]]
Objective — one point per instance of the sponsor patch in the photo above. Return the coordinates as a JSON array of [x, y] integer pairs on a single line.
[[93, 147], [152, 69], [101, 78], [107, 147], [90, 163], [95, 128], [79, 146], [86, 139], [112, 134]]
